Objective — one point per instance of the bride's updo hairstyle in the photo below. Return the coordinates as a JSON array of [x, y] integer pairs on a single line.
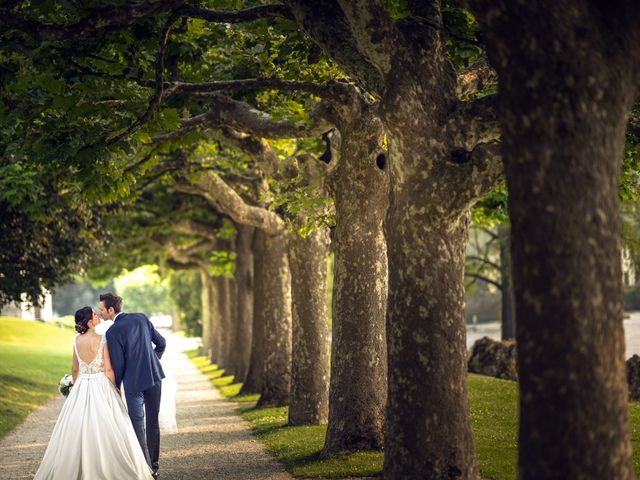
[[83, 317]]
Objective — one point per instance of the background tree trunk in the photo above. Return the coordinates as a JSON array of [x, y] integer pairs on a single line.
[[244, 300], [276, 278], [253, 380], [224, 334], [209, 315], [309, 402], [508, 316], [357, 392]]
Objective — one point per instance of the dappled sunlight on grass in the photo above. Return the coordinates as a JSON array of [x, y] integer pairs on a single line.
[[33, 358]]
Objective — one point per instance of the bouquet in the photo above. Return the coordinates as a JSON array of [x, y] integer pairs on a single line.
[[66, 382]]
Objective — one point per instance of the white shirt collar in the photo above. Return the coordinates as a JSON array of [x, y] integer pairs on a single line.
[[117, 315]]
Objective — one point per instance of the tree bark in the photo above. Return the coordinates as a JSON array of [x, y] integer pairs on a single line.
[[210, 316], [309, 402], [223, 336], [359, 185], [253, 381], [244, 301], [508, 316], [276, 292], [564, 113], [434, 182], [428, 418]]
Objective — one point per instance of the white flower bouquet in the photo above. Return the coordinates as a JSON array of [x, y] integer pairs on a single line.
[[66, 382]]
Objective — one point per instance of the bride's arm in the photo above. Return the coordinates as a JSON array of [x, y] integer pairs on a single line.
[[108, 369], [75, 366]]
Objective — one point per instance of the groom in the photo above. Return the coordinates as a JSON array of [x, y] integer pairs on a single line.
[[136, 364]]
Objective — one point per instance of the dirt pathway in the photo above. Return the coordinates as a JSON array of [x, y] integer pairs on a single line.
[[212, 442]]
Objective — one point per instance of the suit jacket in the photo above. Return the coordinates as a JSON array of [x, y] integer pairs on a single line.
[[133, 359]]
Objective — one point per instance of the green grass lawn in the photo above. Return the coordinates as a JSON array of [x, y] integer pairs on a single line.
[[33, 358], [494, 412]]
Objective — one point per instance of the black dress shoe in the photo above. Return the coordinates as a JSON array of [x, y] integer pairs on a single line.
[[155, 474]]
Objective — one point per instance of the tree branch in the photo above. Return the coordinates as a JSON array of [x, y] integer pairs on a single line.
[[475, 173], [111, 18], [107, 18], [191, 227], [211, 186], [227, 112], [177, 265], [474, 122], [246, 15], [484, 279], [484, 260], [372, 30], [475, 78], [159, 83], [329, 27], [331, 90]]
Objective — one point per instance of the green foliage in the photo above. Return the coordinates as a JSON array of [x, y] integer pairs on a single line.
[[630, 181], [492, 208], [150, 298], [33, 358], [184, 290], [40, 251], [463, 45]]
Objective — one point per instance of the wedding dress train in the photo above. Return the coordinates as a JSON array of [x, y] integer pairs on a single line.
[[93, 438]]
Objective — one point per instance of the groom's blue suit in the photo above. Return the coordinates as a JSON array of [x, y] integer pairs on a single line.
[[137, 365]]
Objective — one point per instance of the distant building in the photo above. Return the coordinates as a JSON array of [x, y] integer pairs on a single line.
[[26, 311]]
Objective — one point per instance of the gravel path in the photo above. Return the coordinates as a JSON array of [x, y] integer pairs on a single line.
[[212, 442]]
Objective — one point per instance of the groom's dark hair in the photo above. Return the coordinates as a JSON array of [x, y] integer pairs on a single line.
[[111, 300]]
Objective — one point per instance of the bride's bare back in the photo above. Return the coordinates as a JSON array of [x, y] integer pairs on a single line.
[[87, 345]]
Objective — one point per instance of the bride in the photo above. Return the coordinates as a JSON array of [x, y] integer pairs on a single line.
[[93, 438]]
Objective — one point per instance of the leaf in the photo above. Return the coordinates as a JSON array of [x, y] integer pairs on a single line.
[[170, 119]]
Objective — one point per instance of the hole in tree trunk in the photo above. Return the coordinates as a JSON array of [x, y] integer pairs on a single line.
[[460, 156], [381, 161]]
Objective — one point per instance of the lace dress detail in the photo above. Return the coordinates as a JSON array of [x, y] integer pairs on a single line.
[[93, 438], [97, 364]]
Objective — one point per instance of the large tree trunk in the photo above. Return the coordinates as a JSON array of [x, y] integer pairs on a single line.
[[254, 378], [309, 402], [428, 419], [359, 185], [567, 276], [508, 313], [244, 301], [563, 115], [437, 174], [276, 293]]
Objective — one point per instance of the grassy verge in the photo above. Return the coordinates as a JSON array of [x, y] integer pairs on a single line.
[[494, 413], [33, 358]]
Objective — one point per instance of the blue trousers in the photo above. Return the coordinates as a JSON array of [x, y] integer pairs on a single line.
[[147, 429]]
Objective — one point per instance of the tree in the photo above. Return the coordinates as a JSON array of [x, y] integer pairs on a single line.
[[184, 287], [568, 79]]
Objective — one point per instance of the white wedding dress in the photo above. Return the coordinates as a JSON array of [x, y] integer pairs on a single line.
[[93, 438]]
